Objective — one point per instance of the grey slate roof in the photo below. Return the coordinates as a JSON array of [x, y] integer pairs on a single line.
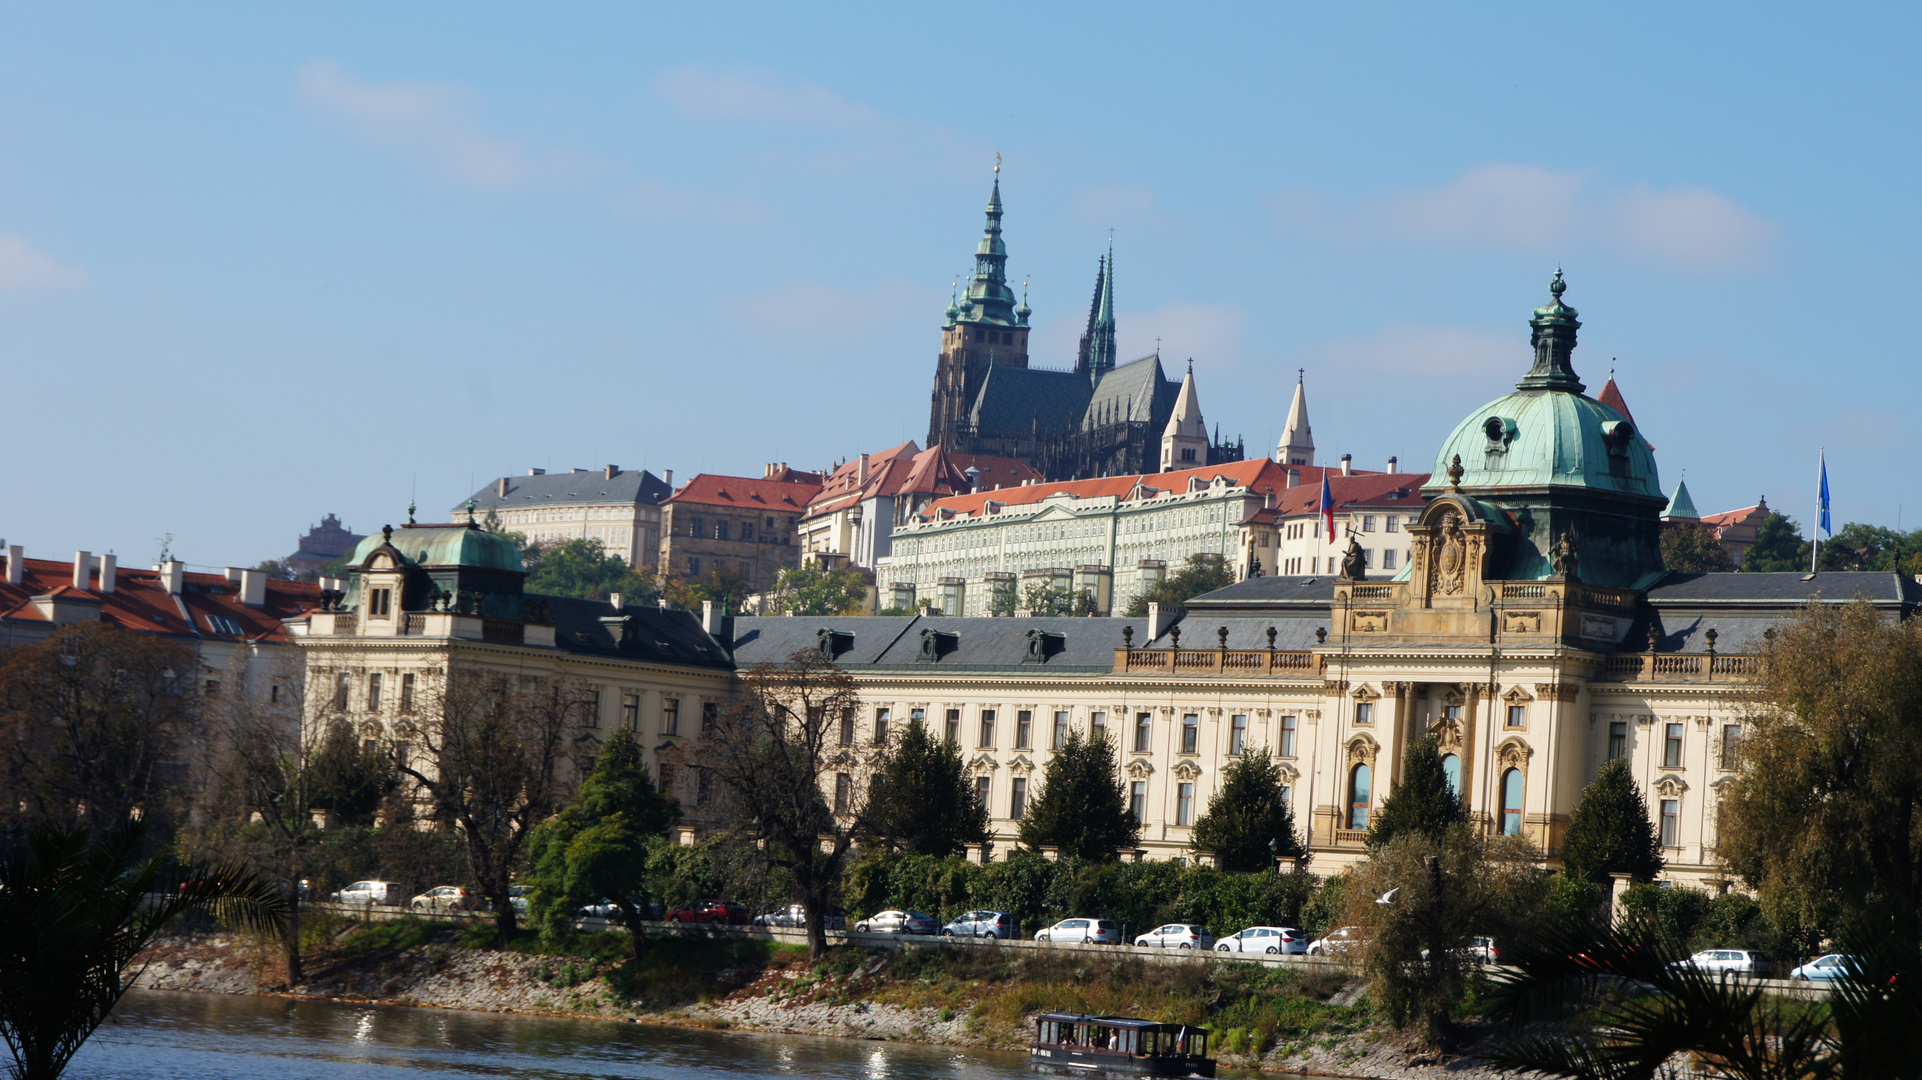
[[1136, 390], [1740, 588], [579, 487], [1294, 630], [976, 644], [653, 633], [772, 639], [1020, 399], [1299, 592]]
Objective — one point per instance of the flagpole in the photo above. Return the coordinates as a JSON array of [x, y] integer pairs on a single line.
[[1821, 504]]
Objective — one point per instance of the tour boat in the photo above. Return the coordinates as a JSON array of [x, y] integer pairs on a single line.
[[1075, 1044]]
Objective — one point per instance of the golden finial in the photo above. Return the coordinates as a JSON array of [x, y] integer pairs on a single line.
[[997, 161]]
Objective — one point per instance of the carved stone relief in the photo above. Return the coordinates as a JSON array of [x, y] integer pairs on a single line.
[[1448, 569], [1521, 622], [1514, 754], [1368, 622], [1187, 770], [1671, 787], [1140, 769], [1362, 750]]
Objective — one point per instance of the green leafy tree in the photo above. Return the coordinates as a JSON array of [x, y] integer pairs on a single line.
[[1001, 599], [816, 589], [1043, 598], [1247, 814], [1856, 546], [1825, 816], [74, 914], [1778, 547], [1422, 803], [1081, 807], [1693, 549], [1204, 573], [278, 569], [726, 588], [924, 801], [1610, 832], [583, 568], [598, 845]]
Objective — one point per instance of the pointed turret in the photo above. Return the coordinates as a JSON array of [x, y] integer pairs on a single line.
[[1297, 446], [1553, 331], [989, 299], [1097, 345], [1681, 507], [1184, 442], [1611, 396]]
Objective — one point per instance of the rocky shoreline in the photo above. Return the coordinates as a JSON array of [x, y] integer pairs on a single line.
[[780, 999]]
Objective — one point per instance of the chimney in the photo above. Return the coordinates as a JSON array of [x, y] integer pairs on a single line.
[[107, 571], [861, 471], [1268, 501], [1392, 465], [537, 472], [253, 588], [1294, 477], [611, 470], [82, 563], [707, 616], [500, 488], [1348, 464], [16, 564], [173, 575], [667, 477], [233, 575]]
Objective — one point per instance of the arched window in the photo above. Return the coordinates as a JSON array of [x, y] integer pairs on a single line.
[[1452, 769], [1358, 797], [1512, 803]]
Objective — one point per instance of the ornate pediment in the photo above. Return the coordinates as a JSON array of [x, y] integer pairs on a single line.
[[1516, 695], [1021, 765], [1671, 786], [1362, 750], [1513, 753], [1364, 692], [1141, 769], [1288, 773], [983, 764], [1186, 770]]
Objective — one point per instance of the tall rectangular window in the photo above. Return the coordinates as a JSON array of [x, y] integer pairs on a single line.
[[1368, 523], [983, 787], [987, 728], [1731, 745], [341, 690], [631, 712], [1288, 736], [1390, 524], [880, 727], [1617, 739], [843, 791], [1452, 712], [373, 692], [1018, 799], [1517, 715], [1097, 725], [273, 693], [1138, 800], [1023, 729], [1060, 727], [1364, 712], [710, 716], [1144, 731], [593, 718], [847, 727], [1672, 747], [1237, 733], [954, 726], [671, 716], [1671, 822], [1388, 554], [1184, 804], [917, 716], [1190, 733], [407, 693]]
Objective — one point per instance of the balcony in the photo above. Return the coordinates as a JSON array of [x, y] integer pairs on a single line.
[[1262, 663]]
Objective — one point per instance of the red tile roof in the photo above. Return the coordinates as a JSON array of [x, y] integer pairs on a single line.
[[141, 603], [904, 470], [1611, 396], [750, 493], [1261, 476]]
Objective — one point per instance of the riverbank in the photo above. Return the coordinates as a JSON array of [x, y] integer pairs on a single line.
[[1267, 1019]]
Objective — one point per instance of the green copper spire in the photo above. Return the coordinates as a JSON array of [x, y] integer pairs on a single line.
[[989, 300], [1101, 347], [1552, 334]]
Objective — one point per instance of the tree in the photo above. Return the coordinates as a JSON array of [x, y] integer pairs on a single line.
[[278, 569], [598, 845], [1081, 807], [817, 589], [923, 799], [495, 762], [90, 719], [1825, 815], [1856, 546], [1204, 573], [1042, 598], [1001, 601], [777, 754], [1610, 832], [1248, 813], [1778, 547], [1423, 802], [724, 587], [1692, 549], [73, 915], [583, 568]]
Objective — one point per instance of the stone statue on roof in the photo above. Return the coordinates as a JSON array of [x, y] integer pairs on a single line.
[[1354, 565]]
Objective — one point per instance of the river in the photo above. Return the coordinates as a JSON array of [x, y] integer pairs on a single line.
[[162, 1035]]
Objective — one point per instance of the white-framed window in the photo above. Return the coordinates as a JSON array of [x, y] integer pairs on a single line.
[[1190, 733], [671, 716], [1138, 800], [1237, 733], [1388, 556], [1288, 736], [631, 712], [1018, 798], [1184, 804], [373, 692], [1060, 727], [1023, 729], [1672, 747], [880, 727], [1671, 822], [987, 730], [1518, 716], [1144, 730]]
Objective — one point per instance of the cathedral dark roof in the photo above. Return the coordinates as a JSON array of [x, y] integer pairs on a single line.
[[1024, 399], [1137, 390]]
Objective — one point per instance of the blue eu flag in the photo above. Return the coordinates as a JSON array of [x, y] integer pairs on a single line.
[[1823, 522]]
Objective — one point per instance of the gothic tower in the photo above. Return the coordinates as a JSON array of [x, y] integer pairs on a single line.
[[1297, 446], [984, 328], [1184, 442], [1097, 356]]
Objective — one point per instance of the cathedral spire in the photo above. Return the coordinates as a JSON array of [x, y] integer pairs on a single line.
[[1184, 442], [989, 299], [1101, 347], [1297, 446]]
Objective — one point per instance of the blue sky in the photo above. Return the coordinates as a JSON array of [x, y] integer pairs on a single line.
[[259, 264]]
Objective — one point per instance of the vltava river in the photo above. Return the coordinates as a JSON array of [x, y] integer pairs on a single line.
[[161, 1035]]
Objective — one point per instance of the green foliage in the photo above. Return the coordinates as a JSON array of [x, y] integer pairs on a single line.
[[1043, 598], [1676, 909], [1422, 802], [583, 568], [1081, 807], [349, 778], [1204, 573], [277, 569], [1327, 907], [1610, 832], [1571, 900], [726, 588], [816, 589], [678, 971], [1856, 546], [1692, 548], [1248, 812], [598, 845], [923, 800], [1001, 601], [1778, 547]]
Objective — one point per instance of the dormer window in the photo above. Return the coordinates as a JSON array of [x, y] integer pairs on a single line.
[[379, 602], [224, 624]]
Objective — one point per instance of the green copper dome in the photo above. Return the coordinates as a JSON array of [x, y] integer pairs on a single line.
[[1548, 438], [446, 546]]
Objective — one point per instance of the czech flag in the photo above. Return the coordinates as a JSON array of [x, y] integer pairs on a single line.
[[1327, 507]]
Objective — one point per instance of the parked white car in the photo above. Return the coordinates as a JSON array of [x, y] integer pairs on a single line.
[[1081, 932], [1731, 961], [1336, 942], [1826, 968], [1177, 935], [1271, 940], [372, 892]]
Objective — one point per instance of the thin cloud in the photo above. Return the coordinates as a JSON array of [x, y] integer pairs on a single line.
[[1530, 210], [657, 199], [760, 95], [23, 267], [434, 121]]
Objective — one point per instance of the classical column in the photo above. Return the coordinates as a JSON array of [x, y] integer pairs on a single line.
[[1402, 735]]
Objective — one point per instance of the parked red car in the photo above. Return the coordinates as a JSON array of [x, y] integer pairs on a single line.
[[710, 911]]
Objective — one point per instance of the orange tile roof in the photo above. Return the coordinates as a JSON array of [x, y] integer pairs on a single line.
[[1261, 474], [141, 603], [749, 493]]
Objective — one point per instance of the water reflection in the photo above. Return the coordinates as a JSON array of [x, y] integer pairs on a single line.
[[156, 1035]]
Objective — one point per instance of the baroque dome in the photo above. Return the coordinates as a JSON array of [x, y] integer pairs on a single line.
[[1544, 438], [446, 545]]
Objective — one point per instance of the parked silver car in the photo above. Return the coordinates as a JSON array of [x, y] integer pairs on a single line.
[[1177, 935], [1271, 940], [983, 924], [1745, 962], [895, 921], [1081, 932], [1826, 968], [795, 917], [1337, 942], [372, 892]]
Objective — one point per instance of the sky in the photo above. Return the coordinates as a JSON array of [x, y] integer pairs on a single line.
[[261, 263]]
